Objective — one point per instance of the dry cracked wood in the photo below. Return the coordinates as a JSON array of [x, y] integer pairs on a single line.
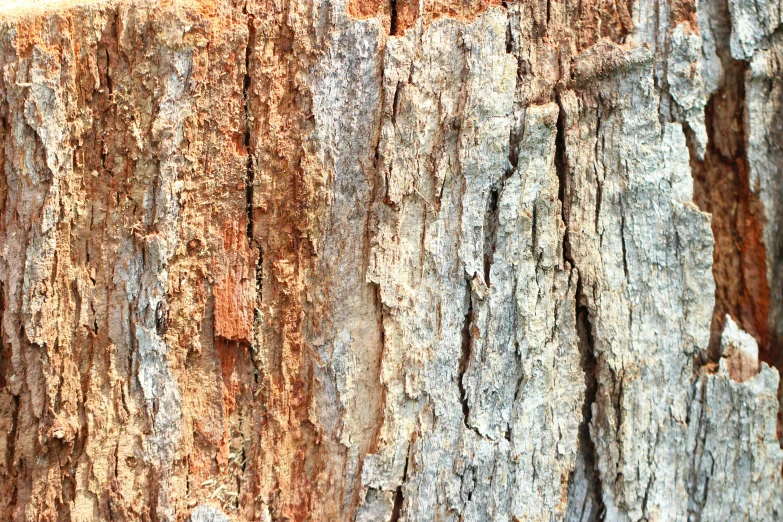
[[384, 261]]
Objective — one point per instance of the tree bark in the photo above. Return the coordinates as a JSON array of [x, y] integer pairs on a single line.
[[384, 261]]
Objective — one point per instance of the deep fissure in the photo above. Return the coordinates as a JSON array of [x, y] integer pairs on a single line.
[[585, 339], [467, 345], [250, 188], [249, 183], [589, 365], [393, 17], [490, 233], [399, 497]]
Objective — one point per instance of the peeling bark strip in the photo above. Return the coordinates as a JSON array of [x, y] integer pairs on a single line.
[[390, 260]]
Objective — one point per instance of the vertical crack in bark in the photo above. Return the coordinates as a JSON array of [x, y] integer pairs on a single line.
[[5, 355], [284, 226], [403, 14], [589, 365], [248, 124], [250, 188], [490, 232], [585, 343], [561, 169], [623, 247], [259, 273], [698, 496], [509, 34], [10, 455], [377, 200], [376, 443], [161, 317], [393, 17], [399, 497], [395, 108], [467, 347]]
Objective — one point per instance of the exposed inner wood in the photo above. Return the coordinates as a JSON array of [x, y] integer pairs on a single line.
[[722, 187]]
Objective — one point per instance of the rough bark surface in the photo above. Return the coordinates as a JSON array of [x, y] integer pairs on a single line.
[[382, 261]]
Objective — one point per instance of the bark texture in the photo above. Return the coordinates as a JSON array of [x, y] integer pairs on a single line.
[[459, 260]]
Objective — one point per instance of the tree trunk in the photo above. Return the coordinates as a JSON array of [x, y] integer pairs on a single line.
[[461, 260]]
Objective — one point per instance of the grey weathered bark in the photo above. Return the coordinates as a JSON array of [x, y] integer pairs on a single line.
[[384, 261]]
